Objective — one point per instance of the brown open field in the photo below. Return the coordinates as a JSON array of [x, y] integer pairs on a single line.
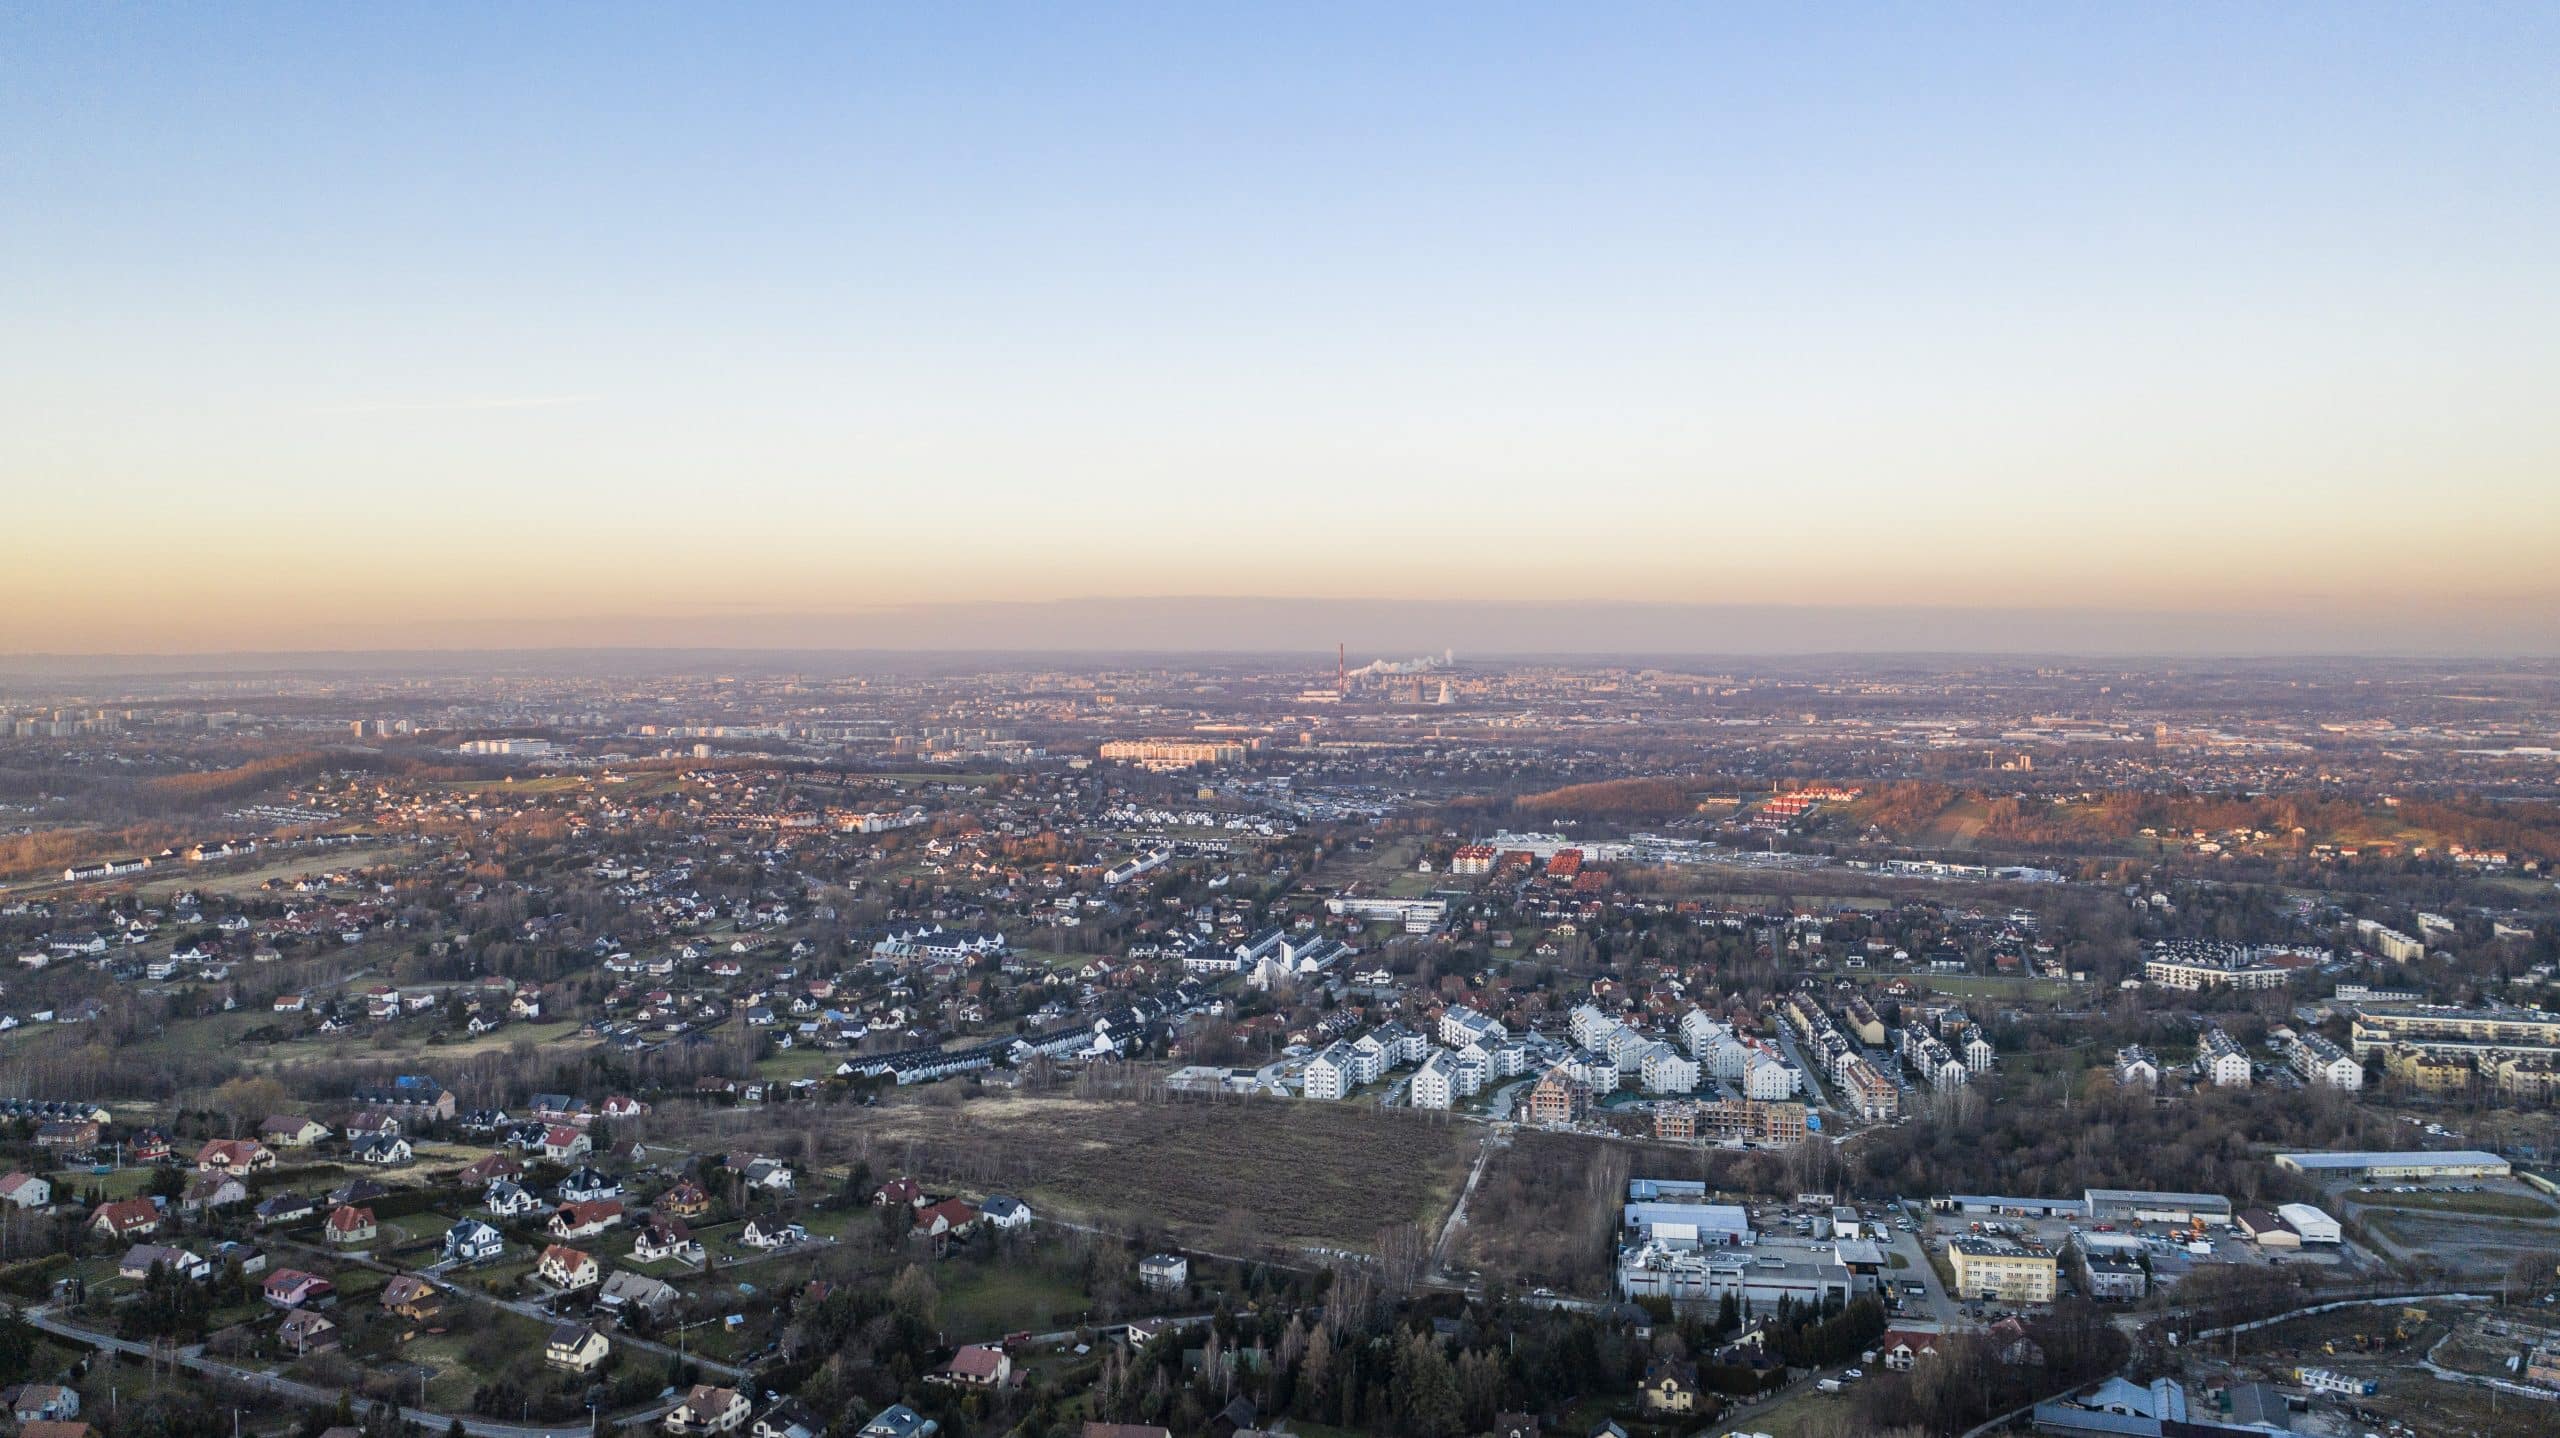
[[1546, 1212], [1958, 827], [219, 879], [1266, 1171]]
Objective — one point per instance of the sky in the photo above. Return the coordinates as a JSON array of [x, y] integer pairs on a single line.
[[484, 326]]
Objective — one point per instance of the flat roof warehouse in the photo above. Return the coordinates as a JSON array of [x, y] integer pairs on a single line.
[[2452, 1163]]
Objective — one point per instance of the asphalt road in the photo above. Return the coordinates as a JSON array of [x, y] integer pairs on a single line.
[[193, 1356], [445, 1281], [1937, 1307]]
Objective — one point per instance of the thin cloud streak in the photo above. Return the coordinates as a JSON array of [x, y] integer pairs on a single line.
[[447, 406]]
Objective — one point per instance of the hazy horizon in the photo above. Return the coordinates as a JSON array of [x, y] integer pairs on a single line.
[[1210, 625]]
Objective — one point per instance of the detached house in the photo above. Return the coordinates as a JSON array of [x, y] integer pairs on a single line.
[[234, 1155], [292, 1288], [284, 1208], [1903, 1348], [628, 1289], [411, 1297], [489, 1170], [708, 1410], [385, 1152], [508, 1201], [140, 1259], [212, 1190], [788, 1418], [349, 1224], [666, 1237], [1671, 1387], [44, 1403], [766, 1174], [567, 1269], [586, 1185], [292, 1131], [126, 1218], [585, 1220], [306, 1331], [772, 1233], [977, 1365], [574, 1347], [472, 1241], [951, 1218]]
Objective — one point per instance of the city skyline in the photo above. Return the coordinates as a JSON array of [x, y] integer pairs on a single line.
[[2187, 331]]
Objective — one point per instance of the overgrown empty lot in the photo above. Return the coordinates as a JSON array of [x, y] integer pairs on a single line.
[[1274, 1170]]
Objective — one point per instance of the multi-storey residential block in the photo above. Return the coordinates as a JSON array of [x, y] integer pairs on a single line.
[[1664, 1069], [1730, 1120], [1435, 1084], [1328, 1074], [2221, 1061], [2495, 1031], [1174, 753], [1994, 1269], [2137, 1067], [1770, 1077], [2321, 1062], [1558, 1097], [2428, 1073], [1866, 1092], [1460, 1026], [2201, 964]]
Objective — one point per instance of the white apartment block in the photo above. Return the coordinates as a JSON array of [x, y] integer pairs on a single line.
[[1699, 1029], [2324, 1063], [1769, 1078], [1328, 1074], [1435, 1084], [1417, 916], [1460, 1026], [1590, 1027], [1665, 1069], [1627, 1048], [2221, 1061]]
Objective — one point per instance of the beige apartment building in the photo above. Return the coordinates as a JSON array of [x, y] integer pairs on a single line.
[[2481, 1033], [2009, 1272]]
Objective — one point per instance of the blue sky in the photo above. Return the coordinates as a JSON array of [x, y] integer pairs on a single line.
[[581, 314]]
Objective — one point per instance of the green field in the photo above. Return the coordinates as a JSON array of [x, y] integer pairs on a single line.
[[451, 1388], [1809, 1411], [989, 1300], [798, 1064]]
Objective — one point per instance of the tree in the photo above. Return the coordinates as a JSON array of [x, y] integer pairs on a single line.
[[17, 1345], [912, 1293], [249, 1098], [1426, 1391], [1315, 1380]]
